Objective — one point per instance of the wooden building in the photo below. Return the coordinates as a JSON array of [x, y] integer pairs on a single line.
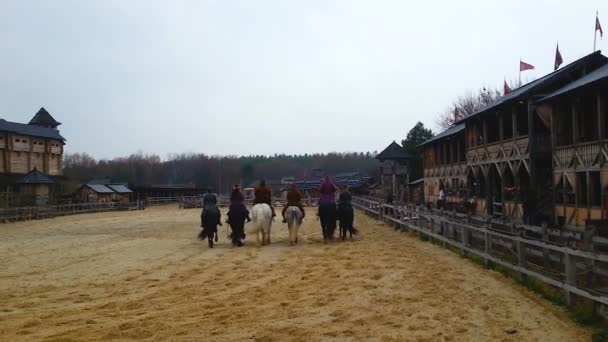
[[444, 166], [513, 158], [394, 175], [24, 148], [36, 145], [35, 188], [104, 190], [579, 126], [95, 193]]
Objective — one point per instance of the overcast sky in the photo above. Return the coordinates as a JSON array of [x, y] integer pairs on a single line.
[[265, 77]]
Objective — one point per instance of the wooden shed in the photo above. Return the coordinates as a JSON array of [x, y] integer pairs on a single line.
[[95, 193], [121, 192], [35, 186]]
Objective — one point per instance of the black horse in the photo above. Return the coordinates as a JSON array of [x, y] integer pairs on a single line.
[[237, 215], [210, 218], [328, 215], [346, 216]]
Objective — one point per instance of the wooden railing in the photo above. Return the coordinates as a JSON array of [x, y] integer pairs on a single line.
[[40, 212], [576, 272]]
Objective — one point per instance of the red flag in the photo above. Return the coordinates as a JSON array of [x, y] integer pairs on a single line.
[[523, 66], [558, 58], [598, 27], [507, 88]]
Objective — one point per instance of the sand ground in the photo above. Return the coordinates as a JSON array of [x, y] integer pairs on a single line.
[[144, 276]]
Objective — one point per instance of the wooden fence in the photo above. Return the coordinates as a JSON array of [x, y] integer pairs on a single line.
[[576, 272], [40, 212]]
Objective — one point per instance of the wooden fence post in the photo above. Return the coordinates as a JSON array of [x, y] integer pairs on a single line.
[[464, 240], [570, 277], [487, 247], [521, 259]]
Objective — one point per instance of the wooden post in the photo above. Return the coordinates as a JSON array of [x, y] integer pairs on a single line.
[[514, 121], [521, 258], [570, 277], [575, 131], [487, 247], [465, 240]]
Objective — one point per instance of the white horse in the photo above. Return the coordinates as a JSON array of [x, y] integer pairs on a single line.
[[293, 215], [261, 220]]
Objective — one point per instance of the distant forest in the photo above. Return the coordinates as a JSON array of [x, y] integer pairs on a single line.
[[219, 173]]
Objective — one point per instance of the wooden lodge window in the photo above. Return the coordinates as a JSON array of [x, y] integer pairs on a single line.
[[587, 118], [565, 192], [522, 120], [595, 189], [507, 126], [462, 156], [492, 130], [581, 189], [560, 193], [563, 124]]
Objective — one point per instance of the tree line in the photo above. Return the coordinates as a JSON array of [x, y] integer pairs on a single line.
[[217, 172]]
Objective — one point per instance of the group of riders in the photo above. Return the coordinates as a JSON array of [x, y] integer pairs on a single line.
[[329, 211]]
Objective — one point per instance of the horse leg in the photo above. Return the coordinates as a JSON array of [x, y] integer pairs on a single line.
[[296, 229], [210, 239], [268, 235]]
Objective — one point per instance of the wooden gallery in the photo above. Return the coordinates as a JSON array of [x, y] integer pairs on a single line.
[[31, 157], [538, 154]]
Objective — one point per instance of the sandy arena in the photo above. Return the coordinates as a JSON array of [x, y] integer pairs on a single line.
[[144, 276]]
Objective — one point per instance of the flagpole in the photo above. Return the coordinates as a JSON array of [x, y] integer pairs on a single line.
[[520, 71], [595, 29]]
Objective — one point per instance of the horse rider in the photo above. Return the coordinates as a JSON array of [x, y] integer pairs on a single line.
[[237, 215], [263, 194], [209, 199], [327, 207], [345, 196], [236, 196], [294, 198]]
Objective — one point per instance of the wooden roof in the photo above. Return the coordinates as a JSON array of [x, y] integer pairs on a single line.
[[35, 177], [44, 119], [30, 130], [393, 151], [547, 83]]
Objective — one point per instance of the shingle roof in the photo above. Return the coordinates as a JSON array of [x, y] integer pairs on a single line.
[[594, 76], [119, 188], [448, 132], [102, 181], [43, 118], [594, 59], [35, 177], [393, 152], [30, 130], [100, 189]]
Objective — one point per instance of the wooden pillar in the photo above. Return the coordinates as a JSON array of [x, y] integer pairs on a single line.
[[532, 146], [485, 131], [514, 121], [575, 114], [601, 116], [499, 117]]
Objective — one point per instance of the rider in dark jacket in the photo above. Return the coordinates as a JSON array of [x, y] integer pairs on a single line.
[[294, 198], [263, 194]]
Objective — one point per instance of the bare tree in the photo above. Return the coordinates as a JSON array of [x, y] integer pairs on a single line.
[[467, 104]]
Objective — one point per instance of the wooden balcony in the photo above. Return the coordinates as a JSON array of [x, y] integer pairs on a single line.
[[499, 151], [579, 156]]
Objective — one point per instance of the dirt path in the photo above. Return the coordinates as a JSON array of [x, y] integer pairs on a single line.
[[144, 276]]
